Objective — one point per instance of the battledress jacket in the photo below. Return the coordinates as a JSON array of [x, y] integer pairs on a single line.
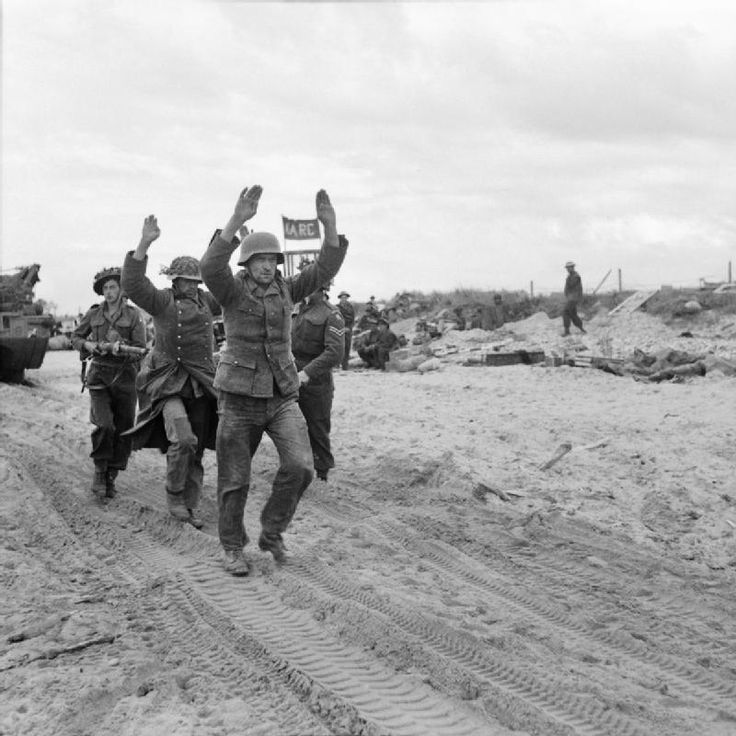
[[257, 359], [574, 287], [318, 339], [182, 352], [96, 326]]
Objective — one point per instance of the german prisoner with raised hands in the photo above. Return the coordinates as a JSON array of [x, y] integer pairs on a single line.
[[178, 402], [256, 377]]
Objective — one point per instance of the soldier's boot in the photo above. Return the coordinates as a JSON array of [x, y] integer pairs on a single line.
[[275, 545], [235, 563], [110, 489], [176, 506], [195, 518], [99, 481]]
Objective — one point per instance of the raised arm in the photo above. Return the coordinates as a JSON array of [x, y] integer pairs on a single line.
[[215, 263], [330, 257], [134, 282]]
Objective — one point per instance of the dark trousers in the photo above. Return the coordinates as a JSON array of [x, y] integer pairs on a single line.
[[112, 411], [348, 345], [243, 420], [315, 401], [187, 423], [375, 356], [570, 314]]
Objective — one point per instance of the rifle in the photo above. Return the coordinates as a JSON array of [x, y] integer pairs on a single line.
[[112, 348], [118, 348]]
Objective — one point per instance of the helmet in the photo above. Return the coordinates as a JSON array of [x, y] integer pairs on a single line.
[[183, 267], [569, 264], [105, 275], [256, 243], [342, 294]]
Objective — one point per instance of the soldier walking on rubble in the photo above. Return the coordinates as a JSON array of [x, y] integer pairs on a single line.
[[113, 337], [179, 403], [347, 310], [573, 297], [257, 378], [318, 342]]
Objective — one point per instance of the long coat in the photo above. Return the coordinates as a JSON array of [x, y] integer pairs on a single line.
[[183, 350]]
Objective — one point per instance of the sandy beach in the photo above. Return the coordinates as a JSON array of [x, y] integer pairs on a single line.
[[443, 581]]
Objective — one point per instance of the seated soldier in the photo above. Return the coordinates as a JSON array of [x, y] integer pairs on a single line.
[[375, 353]]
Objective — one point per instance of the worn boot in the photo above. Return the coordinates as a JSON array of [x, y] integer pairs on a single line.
[[195, 518], [99, 481], [110, 489], [235, 563], [176, 506], [275, 545]]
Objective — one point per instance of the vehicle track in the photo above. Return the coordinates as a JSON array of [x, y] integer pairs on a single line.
[[383, 699]]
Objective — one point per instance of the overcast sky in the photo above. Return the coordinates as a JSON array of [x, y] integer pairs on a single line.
[[464, 145]]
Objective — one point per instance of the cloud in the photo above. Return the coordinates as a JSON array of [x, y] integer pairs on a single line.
[[480, 144]]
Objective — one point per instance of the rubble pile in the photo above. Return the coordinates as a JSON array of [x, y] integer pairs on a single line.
[[620, 339]]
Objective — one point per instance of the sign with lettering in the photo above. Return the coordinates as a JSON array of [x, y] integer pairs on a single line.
[[300, 229]]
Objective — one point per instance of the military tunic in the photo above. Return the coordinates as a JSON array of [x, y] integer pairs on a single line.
[[317, 340], [111, 381]]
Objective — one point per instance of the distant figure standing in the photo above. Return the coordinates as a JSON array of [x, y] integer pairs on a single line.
[[317, 344], [347, 310], [573, 297]]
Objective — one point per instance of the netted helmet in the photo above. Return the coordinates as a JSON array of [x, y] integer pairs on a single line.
[[256, 243], [183, 267], [113, 272]]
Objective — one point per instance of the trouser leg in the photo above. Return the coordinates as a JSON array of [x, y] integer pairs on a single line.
[[199, 411], [241, 422], [315, 402], [123, 399], [182, 446], [287, 429], [348, 344], [103, 434], [575, 317], [566, 318]]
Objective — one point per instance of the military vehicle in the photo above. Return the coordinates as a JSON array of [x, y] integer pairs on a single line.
[[24, 328]]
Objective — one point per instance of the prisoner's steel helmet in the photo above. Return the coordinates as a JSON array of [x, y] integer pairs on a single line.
[[256, 243], [184, 267], [570, 264], [105, 275]]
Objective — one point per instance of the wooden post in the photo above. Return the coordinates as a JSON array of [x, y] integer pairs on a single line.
[[729, 272], [531, 289], [619, 280]]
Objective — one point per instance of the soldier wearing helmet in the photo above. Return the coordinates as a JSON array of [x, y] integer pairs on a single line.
[[256, 377], [110, 377], [178, 402]]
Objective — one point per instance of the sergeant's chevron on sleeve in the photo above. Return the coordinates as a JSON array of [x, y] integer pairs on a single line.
[[339, 331]]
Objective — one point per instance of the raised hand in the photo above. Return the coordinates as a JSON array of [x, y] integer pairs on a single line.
[[325, 210], [247, 204], [150, 231]]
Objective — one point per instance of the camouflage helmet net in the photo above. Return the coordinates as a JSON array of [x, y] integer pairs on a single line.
[[183, 267], [113, 272]]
